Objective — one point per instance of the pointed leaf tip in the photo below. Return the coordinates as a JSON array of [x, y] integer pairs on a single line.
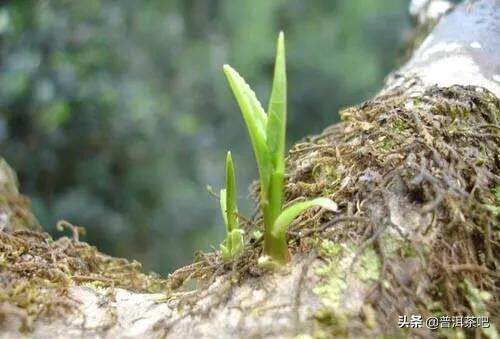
[[228, 70], [277, 110], [255, 119], [281, 40], [231, 206]]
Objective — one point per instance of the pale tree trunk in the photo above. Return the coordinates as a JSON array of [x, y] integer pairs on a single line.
[[414, 171]]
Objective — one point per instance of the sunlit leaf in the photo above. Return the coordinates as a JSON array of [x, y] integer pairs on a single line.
[[233, 245], [291, 212], [231, 208], [250, 106], [276, 132], [256, 121], [223, 207], [276, 125]]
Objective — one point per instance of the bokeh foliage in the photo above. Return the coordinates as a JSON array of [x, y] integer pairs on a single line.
[[116, 114]]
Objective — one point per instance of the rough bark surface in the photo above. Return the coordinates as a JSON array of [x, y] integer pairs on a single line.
[[416, 173], [463, 49]]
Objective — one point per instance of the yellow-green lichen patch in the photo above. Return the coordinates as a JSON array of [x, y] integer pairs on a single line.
[[333, 283], [336, 318], [397, 247], [368, 267], [391, 243], [478, 299], [339, 258]]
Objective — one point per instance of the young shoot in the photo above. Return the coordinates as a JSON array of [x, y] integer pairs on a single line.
[[232, 246], [267, 135]]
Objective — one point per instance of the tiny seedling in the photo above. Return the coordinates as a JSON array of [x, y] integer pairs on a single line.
[[233, 243], [267, 135]]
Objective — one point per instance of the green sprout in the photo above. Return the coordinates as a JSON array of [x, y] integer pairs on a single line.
[[233, 244], [267, 135]]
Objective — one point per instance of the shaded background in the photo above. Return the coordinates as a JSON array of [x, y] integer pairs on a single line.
[[116, 114]]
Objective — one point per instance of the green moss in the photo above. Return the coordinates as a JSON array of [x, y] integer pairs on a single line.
[[330, 323], [417, 102], [388, 144], [400, 126], [452, 333], [494, 207], [390, 243], [496, 192], [477, 300], [408, 250], [368, 267], [325, 172], [458, 112]]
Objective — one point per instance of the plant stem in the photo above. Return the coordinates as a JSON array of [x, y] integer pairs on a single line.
[[271, 210], [276, 247]]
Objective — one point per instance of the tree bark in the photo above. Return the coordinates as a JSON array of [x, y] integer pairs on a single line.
[[414, 171]]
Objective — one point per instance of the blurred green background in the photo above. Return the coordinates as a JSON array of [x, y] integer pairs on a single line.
[[116, 114]]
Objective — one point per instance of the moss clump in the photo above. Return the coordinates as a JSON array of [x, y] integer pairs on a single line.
[[429, 167], [37, 271], [494, 205], [400, 126], [330, 324], [387, 144], [478, 301]]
